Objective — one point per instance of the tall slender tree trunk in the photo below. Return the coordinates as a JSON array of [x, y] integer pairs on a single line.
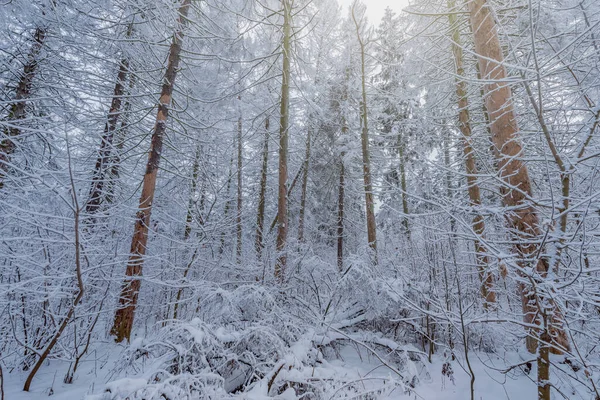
[[368, 185], [448, 177], [341, 203], [238, 217], [282, 219], [18, 108], [123, 321], [464, 123], [401, 163], [227, 206], [304, 186], [118, 144], [260, 214], [188, 225], [523, 219], [189, 218], [97, 193], [290, 190]]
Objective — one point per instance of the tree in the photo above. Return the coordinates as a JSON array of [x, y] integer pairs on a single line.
[[464, 124], [523, 218], [17, 110], [107, 148], [282, 202], [123, 321], [364, 122], [260, 213]]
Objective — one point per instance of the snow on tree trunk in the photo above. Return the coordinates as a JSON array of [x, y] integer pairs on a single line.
[[364, 137], [522, 217], [464, 123], [18, 107], [282, 206], [123, 321]]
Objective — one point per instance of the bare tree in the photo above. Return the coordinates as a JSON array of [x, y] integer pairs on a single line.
[[364, 122], [304, 186], [106, 149], [464, 123], [80, 286], [238, 217], [282, 206], [538, 308], [123, 321], [260, 213], [18, 107]]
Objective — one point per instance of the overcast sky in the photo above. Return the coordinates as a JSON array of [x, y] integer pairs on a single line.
[[375, 8]]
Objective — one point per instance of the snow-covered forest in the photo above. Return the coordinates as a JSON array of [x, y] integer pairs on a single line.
[[287, 199]]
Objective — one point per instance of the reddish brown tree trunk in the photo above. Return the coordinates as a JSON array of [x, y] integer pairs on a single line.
[[18, 108], [486, 278], [123, 322], [522, 219]]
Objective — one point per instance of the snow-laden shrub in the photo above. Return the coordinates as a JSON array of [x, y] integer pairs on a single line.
[[197, 360]]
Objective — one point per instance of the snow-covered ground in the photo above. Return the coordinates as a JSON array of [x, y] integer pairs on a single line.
[[353, 365]]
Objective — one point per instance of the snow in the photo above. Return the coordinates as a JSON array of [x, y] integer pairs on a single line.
[[354, 365]]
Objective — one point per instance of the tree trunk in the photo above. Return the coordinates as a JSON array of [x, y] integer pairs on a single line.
[[260, 214], [238, 217], [341, 200], [403, 185], [369, 196], [97, 195], [188, 226], [290, 190], [448, 177], [464, 123], [304, 185], [123, 321], [18, 108], [227, 207], [190, 211], [523, 219], [282, 219]]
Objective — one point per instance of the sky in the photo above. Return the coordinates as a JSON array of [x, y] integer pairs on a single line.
[[375, 8]]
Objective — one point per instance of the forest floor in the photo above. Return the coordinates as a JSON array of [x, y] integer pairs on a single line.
[[102, 362]]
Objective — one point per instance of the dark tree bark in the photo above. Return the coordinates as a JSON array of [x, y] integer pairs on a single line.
[[260, 214], [238, 217], [18, 108], [105, 152], [341, 204]]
